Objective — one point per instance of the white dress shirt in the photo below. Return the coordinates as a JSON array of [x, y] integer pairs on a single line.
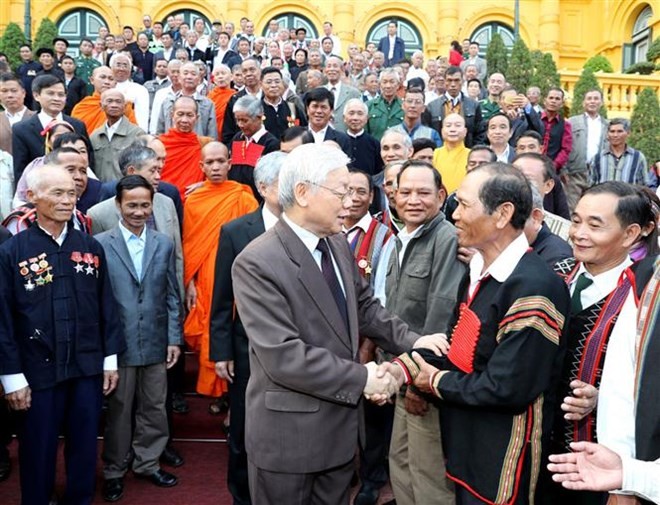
[[15, 118], [45, 119], [269, 218], [405, 237], [139, 96], [642, 478], [110, 130], [311, 241], [594, 133], [603, 284], [319, 136], [392, 39], [502, 267]]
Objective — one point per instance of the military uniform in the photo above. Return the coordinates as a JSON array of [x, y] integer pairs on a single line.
[[383, 115], [84, 68]]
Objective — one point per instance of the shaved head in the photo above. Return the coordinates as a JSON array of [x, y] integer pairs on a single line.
[[215, 162], [102, 79]]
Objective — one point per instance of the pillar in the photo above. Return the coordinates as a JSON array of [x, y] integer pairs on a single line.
[[343, 22], [236, 9], [447, 27], [549, 28]]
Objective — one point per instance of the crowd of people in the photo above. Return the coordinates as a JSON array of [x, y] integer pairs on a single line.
[[390, 269]]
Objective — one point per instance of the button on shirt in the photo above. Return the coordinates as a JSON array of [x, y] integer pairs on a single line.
[[135, 246]]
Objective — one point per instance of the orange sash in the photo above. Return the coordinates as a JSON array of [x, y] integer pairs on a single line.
[[89, 111]]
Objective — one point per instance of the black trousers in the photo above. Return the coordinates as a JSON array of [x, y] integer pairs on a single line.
[[374, 468], [237, 469]]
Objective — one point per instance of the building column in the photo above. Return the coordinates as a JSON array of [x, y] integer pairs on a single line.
[[447, 27], [236, 9], [343, 23], [549, 28], [130, 13]]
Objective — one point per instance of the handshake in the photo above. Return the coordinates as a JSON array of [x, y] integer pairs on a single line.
[[383, 381]]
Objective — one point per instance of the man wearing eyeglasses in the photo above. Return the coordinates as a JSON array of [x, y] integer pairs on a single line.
[[413, 107], [303, 304]]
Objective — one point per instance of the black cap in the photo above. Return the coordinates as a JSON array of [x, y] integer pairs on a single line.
[[417, 83], [45, 50], [60, 39], [301, 29]]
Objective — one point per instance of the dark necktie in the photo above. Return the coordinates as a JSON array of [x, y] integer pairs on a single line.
[[331, 279], [582, 283]]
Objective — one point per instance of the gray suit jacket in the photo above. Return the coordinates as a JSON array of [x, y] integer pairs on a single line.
[[149, 323], [206, 124], [105, 216], [106, 152], [305, 381], [346, 92], [482, 68], [577, 159], [5, 129]]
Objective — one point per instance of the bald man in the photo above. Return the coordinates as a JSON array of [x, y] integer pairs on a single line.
[[112, 137], [214, 204], [190, 78], [89, 110]]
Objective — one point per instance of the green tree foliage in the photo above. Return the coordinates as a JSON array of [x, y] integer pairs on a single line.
[[641, 67], [653, 54], [586, 82], [645, 125], [545, 73], [521, 70], [599, 63], [10, 42], [46, 32], [497, 55]]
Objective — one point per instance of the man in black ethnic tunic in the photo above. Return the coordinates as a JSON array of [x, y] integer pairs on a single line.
[[496, 385]]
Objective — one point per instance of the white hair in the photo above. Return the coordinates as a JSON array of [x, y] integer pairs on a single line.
[[250, 105], [389, 72], [405, 139], [356, 101], [268, 168], [308, 164], [116, 56], [35, 178]]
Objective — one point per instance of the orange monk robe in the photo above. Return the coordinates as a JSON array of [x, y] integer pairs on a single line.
[[220, 97], [89, 111], [183, 154], [205, 211]]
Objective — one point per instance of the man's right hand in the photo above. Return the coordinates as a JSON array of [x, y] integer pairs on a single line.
[[381, 384], [225, 370], [20, 399], [415, 404]]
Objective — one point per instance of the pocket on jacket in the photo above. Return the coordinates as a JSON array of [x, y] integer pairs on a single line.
[[290, 401], [418, 274]]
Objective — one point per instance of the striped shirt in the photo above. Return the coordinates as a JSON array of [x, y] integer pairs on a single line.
[[630, 167]]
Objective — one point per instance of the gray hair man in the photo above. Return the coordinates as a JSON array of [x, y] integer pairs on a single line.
[[385, 110], [364, 149], [306, 354], [229, 342], [251, 141]]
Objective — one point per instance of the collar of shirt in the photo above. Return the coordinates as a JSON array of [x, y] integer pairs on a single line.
[[195, 95], [160, 81], [307, 237], [504, 157], [404, 236], [269, 218], [627, 150], [257, 136], [274, 106], [412, 130], [453, 100], [502, 267], [15, 118], [604, 283], [354, 135], [111, 130], [590, 120], [45, 119], [319, 136], [60, 239], [363, 224], [129, 235], [544, 117], [336, 86]]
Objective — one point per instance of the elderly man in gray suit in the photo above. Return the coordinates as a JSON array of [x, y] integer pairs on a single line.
[[139, 160], [589, 131], [334, 71], [303, 305], [143, 277]]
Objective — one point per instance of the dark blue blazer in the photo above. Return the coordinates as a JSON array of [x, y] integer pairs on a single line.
[[340, 138], [90, 197], [28, 143], [399, 50]]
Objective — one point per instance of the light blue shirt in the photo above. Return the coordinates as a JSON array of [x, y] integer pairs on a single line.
[[135, 246]]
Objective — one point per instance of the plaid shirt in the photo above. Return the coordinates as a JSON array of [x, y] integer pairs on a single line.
[[630, 167]]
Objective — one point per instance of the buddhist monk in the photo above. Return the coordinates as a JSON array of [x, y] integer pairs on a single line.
[[222, 92], [89, 110], [215, 203], [183, 146]]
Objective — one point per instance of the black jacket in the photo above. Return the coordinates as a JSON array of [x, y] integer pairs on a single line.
[[470, 110]]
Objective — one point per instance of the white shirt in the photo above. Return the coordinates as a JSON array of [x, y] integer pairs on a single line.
[[218, 57], [354, 135], [269, 218], [615, 420], [502, 267], [594, 132], [642, 478], [390, 54], [337, 87], [257, 136], [16, 381], [110, 130], [363, 224], [319, 136], [45, 119], [159, 98], [15, 118], [603, 284], [405, 237], [504, 157], [417, 72], [311, 241], [139, 96]]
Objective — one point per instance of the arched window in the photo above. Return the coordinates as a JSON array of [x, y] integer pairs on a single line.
[[292, 20], [485, 32], [406, 30], [79, 24], [190, 16], [641, 34]]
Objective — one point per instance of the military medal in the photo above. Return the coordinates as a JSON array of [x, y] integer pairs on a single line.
[[363, 263], [29, 286], [24, 269], [77, 258]]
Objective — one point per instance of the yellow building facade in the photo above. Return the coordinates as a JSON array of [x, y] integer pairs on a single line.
[[572, 30]]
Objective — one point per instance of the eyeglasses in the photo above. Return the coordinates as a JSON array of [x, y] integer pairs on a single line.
[[341, 196]]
